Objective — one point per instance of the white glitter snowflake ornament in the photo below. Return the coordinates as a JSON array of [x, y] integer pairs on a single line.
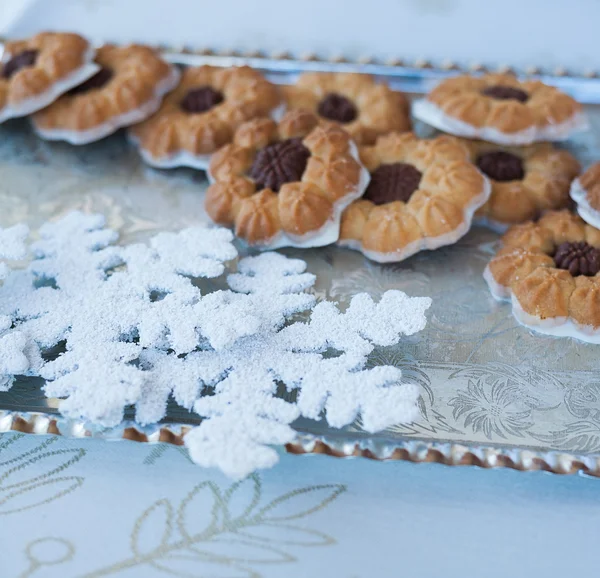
[[137, 329], [13, 355]]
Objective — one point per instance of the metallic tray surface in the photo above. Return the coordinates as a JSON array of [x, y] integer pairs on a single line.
[[492, 392]]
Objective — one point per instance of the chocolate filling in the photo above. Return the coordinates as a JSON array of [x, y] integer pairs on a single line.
[[201, 99], [338, 108], [100, 79], [18, 61], [501, 166], [578, 258], [279, 163], [394, 182], [500, 92]]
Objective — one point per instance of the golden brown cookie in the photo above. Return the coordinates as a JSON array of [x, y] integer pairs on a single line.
[[422, 195], [585, 191], [202, 114], [285, 184], [526, 181], [501, 109], [364, 108], [550, 269], [36, 71], [127, 89]]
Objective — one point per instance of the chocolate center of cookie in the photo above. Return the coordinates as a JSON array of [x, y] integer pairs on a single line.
[[201, 99], [18, 61], [100, 79], [500, 92], [338, 108], [395, 182], [501, 166], [578, 258], [279, 163]]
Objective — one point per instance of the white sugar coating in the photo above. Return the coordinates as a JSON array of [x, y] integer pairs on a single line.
[[139, 330], [556, 326], [585, 210], [427, 243], [55, 89], [12, 245], [12, 242], [113, 123], [13, 346], [297, 355], [329, 232], [271, 273], [431, 114], [184, 158]]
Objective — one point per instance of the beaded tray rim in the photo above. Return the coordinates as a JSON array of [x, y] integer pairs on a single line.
[[411, 76], [343, 446]]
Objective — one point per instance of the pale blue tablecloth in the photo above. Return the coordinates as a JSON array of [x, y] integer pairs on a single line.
[[74, 508]]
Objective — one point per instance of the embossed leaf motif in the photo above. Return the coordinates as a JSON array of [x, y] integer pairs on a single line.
[[200, 512], [190, 566], [534, 388], [285, 535], [300, 503], [496, 409], [217, 534], [580, 436], [242, 498], [37, 494], [20, 489], [153, 529], [242, 552], [53, 463], [583, 400]]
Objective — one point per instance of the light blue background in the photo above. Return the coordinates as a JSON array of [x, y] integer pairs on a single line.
[[395, 519]]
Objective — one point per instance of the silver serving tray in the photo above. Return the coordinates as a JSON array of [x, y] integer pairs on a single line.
[[492, 392]]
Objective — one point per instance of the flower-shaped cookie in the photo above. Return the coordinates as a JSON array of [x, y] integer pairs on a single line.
[[285, 184], [585, 191], [422, 195], [501, 109], [551, 271], [364, 108], [526, 181], [36, 71], [202, 114], [127, 89]]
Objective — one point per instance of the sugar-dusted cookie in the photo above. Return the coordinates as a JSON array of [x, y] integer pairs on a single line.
[[585, 191], [202, 114], [363, 107], [550, 269], [36, 71], [127, 89], [285, 184], [526, 181], [501, 109], [422, 195]]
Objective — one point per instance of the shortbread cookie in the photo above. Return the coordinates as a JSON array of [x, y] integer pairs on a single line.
[[585, 191], [127, 89], [202, 114], [36, 71], [363, 107], [550, 270], [501, 109], [285, 184], [422, 195], [526, 181]]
